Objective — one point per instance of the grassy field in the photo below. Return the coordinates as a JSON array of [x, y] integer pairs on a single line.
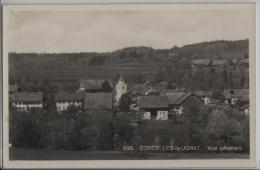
[[72, 74], [45, 154]]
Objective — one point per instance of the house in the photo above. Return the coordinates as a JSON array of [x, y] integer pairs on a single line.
[[64, 100], [243, 63], [26, 101], [156, 88], [136, 91], [13, 88], [219, 63], [154, 107], [234, 62], [244, 109], [96, 101], [139, 90], [202, 63], [181, 99], [204, 95], [92, 86], [236, 96]]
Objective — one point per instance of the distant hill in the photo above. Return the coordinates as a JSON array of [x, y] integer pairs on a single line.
[[217, 49], [136, 63], [213, 50]]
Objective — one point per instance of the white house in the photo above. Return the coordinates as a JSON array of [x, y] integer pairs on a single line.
[[154, 107], [26, 101], [64, 100], [233, 96], [245, 109]]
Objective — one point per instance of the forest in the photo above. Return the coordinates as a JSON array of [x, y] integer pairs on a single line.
[[137, 64]]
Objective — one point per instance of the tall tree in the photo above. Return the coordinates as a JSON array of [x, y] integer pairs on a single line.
[[124, 102], [48, 96], [225, 77]]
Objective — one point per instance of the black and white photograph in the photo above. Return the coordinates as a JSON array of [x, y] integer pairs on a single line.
[[129, 82]]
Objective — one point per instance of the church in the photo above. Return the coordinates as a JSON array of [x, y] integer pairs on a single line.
[[121, 89]]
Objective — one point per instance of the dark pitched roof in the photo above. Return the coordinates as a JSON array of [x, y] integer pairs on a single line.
[[147, 83], [91, 84], [242, 94], [153, 102], [69, 96], [176, 98], [137, 88], [201, 62], [13, 88], [98, 101], [27, 96], [245, 106]]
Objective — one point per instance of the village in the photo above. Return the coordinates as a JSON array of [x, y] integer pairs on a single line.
[[153, 101], [115, 101], [129, 82]]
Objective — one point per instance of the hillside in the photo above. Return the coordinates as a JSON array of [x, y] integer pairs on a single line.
[[136, 63]]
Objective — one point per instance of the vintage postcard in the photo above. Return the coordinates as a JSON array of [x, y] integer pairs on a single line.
[[129, 86]]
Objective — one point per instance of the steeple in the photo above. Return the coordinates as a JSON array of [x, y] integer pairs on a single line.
[[120, 78], [121, 88]]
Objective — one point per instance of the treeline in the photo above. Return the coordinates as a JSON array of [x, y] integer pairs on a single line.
[[27, 61], [172, 65], [215, 48], [106, 130], [178, 74]]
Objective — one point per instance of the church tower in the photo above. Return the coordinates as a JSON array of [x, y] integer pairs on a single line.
[[121, 88]]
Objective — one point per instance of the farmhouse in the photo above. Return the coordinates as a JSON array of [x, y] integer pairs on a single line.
[[182, 99], [243, 63], [219, 63], [13, 88], [204, 95], [92, 86], [136, 91], [25, 101], [156, 88], [95, 101], [244, 109], [235, 96], [154, 107], [64, 100], [203, 63]]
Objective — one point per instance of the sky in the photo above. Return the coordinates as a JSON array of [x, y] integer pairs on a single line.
[[106, 30]]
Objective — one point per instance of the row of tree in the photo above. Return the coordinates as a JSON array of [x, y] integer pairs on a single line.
[[106, 130]]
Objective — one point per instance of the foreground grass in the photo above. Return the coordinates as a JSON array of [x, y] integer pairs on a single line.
[[46, 154]]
